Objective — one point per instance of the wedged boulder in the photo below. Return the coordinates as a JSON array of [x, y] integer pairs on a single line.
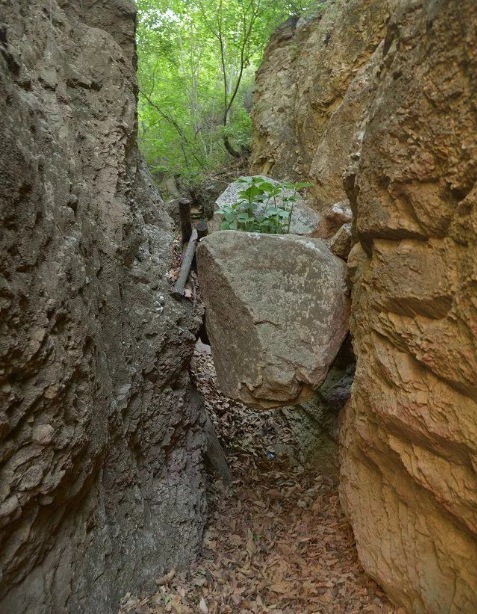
[[341, 243], [277, 313], [304, 220], [333, 219]]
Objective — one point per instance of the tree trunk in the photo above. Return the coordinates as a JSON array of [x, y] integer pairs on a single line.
[[229, 148]]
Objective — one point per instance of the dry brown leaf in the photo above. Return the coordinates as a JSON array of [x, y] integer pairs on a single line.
[[277, 541]]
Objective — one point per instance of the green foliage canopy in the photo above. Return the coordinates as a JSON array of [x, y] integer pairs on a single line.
[[197, 61]]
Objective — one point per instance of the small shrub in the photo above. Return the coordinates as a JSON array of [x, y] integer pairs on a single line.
[[263, 207]]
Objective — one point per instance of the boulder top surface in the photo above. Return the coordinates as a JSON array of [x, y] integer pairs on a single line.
[[304, 220]]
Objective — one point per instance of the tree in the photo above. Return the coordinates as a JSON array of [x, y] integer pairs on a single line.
[[197, 60], [233, 25]]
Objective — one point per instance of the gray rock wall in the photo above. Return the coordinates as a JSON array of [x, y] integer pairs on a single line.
[[100, 450]]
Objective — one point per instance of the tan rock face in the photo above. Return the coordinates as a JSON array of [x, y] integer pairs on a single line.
[[312, 88], [394, 106], [409, 436], [100, 472]]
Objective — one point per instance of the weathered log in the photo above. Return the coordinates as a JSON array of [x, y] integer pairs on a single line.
[[179, 287], [214, 454], [202, 229], [186, 224]]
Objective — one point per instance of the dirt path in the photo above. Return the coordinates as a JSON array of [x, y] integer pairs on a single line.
[[277, 541]]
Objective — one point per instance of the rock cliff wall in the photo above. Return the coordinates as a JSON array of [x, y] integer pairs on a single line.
[[100, 449], [312, 88], [408, 458], [410, 434]]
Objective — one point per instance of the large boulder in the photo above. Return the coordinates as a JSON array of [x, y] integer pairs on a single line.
[[277, 313]]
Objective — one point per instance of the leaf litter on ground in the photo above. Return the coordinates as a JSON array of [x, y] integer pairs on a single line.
[[277, 541]]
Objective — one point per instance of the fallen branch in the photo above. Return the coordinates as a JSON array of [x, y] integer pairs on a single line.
[[186, 224], [179, 287], [202, 229]]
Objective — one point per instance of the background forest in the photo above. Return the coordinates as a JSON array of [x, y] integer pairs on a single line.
[[197, 63]]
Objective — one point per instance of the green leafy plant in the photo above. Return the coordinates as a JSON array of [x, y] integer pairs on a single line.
[[263, 206]]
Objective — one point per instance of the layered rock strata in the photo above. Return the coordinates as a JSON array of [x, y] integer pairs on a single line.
[[100, 449], [385, 92], [409, 455]]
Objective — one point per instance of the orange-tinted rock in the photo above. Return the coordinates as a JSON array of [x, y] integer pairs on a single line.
[[311, 91], [409, 436], [390, 108]]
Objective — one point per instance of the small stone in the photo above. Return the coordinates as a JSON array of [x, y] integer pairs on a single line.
[[9, 506], [340, 244], [337, 215]]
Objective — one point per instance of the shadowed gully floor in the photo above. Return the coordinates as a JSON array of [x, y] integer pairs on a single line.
[[277, 540]]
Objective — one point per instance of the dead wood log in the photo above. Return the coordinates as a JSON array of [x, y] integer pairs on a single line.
[[186, 224], [179, 287], [214, 454], [202, 229]]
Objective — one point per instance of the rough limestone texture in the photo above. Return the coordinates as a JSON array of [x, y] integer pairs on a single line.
[[276, 313], [341, 243], [304, 220], [312, 88], [409, 436], [101, 484], [314, 423]]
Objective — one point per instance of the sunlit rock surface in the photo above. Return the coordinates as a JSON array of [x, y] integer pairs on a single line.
[[312, 88], [409, 437], [375, 101]]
